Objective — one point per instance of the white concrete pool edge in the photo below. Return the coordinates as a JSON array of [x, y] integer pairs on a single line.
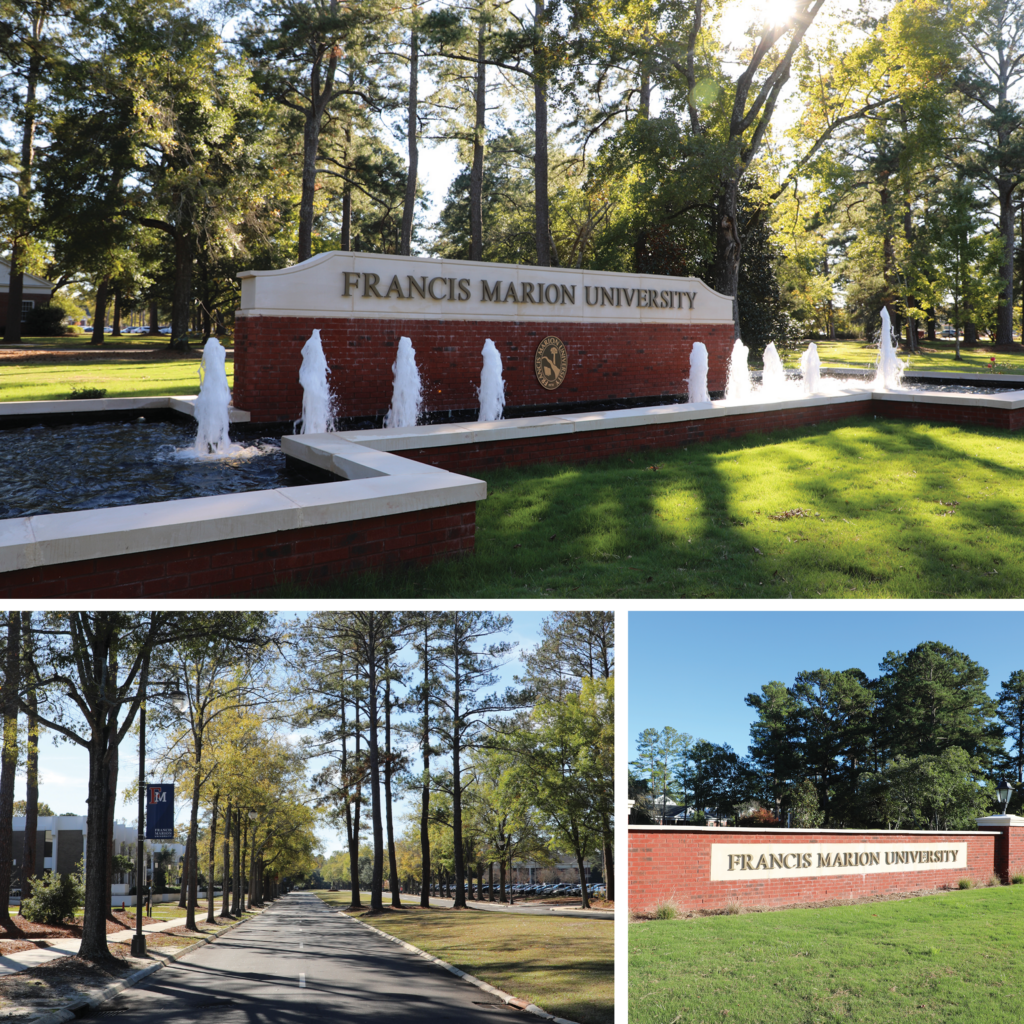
[[377, 483]]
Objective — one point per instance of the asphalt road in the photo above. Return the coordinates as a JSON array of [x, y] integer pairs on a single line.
[[302, 961]]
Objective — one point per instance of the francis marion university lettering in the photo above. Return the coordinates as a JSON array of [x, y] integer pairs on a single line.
[[749, 862], [460, 289]]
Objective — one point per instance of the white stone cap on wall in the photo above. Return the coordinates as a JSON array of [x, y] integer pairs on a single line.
[[727, 830], [379, 286], [1001, 820]]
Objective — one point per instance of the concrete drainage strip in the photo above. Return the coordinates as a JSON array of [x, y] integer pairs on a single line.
[[375, 481]]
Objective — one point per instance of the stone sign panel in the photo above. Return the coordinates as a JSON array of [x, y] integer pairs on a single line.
[[758, 861], [378, 286]]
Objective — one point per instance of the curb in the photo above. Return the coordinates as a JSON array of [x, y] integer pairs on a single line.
[[105, 994], [515, 1001]]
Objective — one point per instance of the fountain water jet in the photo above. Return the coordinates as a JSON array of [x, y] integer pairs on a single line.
[[697, 382], [407, 399], [211, 408], [888, 369], [773, 375], [737, 386], [810, 368], [317, 401], [491, 392]]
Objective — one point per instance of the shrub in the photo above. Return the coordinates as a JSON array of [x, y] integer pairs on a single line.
[[46, 321], [665, 912], [965, 883], [54, 899], [77, 392], [994, 879], [761, 817], [733, 907], [1017, 880]]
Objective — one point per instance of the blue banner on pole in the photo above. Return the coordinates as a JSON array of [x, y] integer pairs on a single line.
[[160, 810]]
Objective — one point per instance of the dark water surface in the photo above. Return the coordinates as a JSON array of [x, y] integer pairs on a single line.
[[66, 468]]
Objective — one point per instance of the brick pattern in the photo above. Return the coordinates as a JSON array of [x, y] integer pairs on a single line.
[[960, 415], [674, 866], [1009, 856], [249, 565], [607, 361]]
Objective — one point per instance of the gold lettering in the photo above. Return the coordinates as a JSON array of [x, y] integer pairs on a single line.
[[527, 288], [691, 296], [351, 281], [430, 287], [806, 860], [761, 862], [547, 293], [420, 287], [492, 294], [370, 282], [785, 860], [568, 292], [394, 287], [586, 294], [511, 291], [464, 293]]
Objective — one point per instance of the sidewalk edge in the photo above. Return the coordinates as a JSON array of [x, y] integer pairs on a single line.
[[489, 989], [105, 994]]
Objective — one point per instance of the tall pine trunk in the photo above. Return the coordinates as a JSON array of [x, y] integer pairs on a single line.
[[542, 217], [9, 756], [225, 906], [412, 128], [476, 173], [396, 900], [210, 916], [32, 791]]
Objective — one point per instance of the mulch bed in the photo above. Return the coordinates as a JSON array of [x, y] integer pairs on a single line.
[[8, 946], [60, 979], [22, 929]]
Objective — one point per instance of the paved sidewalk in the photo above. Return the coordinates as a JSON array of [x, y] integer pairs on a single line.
[[56, 948]]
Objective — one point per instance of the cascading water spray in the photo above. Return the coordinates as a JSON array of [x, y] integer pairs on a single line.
[[492, 385], [211, 408], [889, 368], [737, 385], [773, 374], [697, 382], [810, 368], [407, 398], [317, 401]]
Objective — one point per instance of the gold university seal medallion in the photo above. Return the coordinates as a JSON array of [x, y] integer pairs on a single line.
[[551, 363]]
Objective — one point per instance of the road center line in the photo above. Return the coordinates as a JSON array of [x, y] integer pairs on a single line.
[[302, 981]]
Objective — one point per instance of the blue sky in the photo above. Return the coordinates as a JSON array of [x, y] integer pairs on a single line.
[[692, 670]]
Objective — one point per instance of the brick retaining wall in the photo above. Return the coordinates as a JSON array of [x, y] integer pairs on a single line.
[[673, 865], [607, 361], [248, 565]]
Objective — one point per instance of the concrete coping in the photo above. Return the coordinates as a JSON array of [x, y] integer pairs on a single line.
[[728, 831], [440, 435], [185, 404], [1001, 821], [375, 484]]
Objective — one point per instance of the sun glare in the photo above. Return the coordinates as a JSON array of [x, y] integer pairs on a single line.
[[773, 12]]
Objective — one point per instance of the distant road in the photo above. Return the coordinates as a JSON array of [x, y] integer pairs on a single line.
[[303, 962]]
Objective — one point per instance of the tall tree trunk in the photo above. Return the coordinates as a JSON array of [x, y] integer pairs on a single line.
[[1004, 313], [97, 902], [32, 788], [412, 130], [460, 866], [542, 218], [377, 881], [476, 173], [181, 293], [490, 881], [236, 883], [396, 900], [9, 756], [244, 861], [113, 766], [225, 906], [186, 863], [192, 899], [728, 247], [352, 809], [16, 288], [116, 319], [100, 312], [310, 148], [425, 746], [609, 861]]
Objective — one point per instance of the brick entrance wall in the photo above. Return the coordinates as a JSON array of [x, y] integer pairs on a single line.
[[669, 864], [243, 566], [607, 361]]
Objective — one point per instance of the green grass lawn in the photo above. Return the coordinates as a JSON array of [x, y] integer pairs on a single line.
[[937, 355], [564, 966], [123, 375], [952, 958], [885, 509]]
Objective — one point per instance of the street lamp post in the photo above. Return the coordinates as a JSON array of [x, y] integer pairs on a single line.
[[1003, 792], [138, 939]]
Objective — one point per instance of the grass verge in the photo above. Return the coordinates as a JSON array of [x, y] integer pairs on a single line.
[[939, 355], [566, 967], [866, 509], [952, 958]]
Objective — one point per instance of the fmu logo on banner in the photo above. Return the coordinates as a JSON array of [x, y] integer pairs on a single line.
[[160, 810]]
